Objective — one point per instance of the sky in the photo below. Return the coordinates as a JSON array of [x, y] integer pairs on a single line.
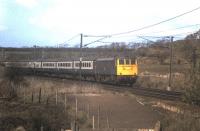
[[24, 23]]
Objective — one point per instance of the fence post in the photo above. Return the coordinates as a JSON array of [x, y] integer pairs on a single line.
[[32, 97], [41, 128], [56, 96], [40, 95], [98, 116], [24, 95], [93, 122], [76, 107], [65, 102], [108, 126], [47, 102], [88, 110]]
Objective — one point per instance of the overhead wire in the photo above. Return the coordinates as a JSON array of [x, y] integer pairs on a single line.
[[135, 30], [152, 25], [182, 27], [95, 41], [73, 37]]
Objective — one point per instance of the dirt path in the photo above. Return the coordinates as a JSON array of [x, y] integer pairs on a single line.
[[117, 111]]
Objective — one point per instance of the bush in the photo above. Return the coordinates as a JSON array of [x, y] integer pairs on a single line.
[[12, 80]]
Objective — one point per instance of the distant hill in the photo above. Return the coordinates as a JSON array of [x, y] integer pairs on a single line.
[[147, 53], [183, 51]]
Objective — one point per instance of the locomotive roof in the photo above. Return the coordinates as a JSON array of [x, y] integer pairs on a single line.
[[112, 58], [105, 59]]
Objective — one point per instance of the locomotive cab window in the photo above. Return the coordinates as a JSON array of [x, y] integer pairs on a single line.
[[132, 62], [127, 61], [121, 61]]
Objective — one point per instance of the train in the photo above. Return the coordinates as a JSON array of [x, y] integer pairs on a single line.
[[112, 70]]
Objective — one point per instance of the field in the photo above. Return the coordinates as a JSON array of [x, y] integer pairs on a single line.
[[50, 104], [157, 76]]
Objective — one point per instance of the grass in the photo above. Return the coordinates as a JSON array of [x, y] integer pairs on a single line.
[[162, 69], [180, 122], [32, 115]]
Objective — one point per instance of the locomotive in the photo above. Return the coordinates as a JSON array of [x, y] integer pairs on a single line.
[[111, 70]]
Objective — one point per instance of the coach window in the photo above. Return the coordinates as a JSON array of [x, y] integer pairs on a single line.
[[77, 64]]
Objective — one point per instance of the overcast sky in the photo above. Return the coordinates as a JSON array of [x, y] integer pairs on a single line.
[[50, 22]]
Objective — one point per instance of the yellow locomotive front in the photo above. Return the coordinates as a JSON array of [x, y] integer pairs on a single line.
[[126, 70]]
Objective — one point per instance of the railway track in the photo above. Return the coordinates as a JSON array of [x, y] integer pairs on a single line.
[[149, 92], [156, 93]]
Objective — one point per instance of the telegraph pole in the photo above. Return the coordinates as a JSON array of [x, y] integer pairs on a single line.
[[170, 66], [2, 54], [80, 63]]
